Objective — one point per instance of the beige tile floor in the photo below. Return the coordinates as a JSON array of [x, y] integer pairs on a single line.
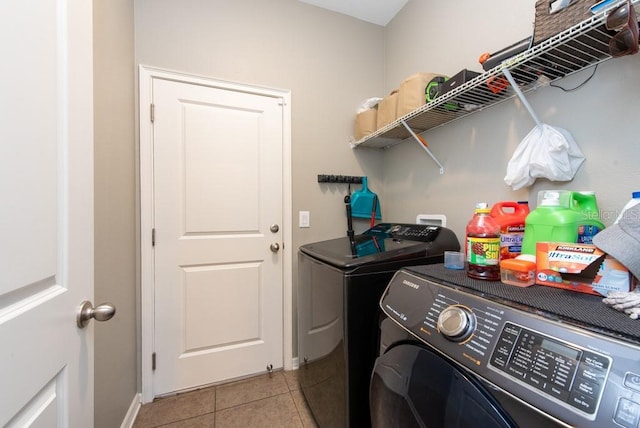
[[270, 400]]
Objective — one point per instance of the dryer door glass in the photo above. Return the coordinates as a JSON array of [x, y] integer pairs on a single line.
[[413, 387]]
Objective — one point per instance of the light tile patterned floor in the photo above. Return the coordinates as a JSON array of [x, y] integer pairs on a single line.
[[270, 400]]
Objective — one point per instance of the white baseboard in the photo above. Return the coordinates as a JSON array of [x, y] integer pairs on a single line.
[[134, 408], [295, 363]]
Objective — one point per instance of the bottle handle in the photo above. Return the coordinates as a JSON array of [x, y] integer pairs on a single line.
[[499, 208]]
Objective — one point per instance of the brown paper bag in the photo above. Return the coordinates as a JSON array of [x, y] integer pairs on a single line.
[[366, 123], [411, 93], [387, 109]]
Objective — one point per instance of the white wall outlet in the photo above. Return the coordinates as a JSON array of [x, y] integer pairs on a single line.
[[304, 219]]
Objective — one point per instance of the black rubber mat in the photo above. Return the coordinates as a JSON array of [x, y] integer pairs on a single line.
[[582, 310]]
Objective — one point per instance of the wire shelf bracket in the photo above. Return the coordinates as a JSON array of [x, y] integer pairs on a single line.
[[424, 146], [525, 102]]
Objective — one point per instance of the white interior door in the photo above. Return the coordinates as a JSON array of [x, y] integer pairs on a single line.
[[217, 167], [46, 220]]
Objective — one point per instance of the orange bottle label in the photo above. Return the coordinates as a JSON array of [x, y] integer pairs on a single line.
[[511, 241]]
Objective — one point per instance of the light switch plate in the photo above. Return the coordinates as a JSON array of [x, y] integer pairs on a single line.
[[304, 219]]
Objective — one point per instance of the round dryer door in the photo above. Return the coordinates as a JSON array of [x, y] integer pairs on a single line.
[[412, 386]]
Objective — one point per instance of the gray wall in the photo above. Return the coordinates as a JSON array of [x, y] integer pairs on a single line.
[[116, 369], [601, 116]]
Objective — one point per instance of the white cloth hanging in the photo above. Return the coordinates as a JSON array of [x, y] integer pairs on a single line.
[[546, 152]]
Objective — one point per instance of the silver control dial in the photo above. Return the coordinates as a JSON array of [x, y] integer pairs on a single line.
[[456, 323]]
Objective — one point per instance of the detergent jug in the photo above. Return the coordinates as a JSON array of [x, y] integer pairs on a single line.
[[510, 215], [589, 224], [635, 200], [554, 219]]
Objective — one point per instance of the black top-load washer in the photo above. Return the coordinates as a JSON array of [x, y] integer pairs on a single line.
[[340, 284], [459, 352]]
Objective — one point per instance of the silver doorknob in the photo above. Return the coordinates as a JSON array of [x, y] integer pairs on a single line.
[[275, 247], [103, 312]]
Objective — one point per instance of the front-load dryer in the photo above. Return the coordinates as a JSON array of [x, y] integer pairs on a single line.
[[460, 352]]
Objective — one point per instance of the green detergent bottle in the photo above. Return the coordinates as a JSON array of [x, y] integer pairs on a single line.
[[553, 220], [589, 224]]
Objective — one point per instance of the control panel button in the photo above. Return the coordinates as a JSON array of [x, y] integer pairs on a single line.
[[583, 402], [627, 413], [587, 388], [596, 361], [592, 374], [632, 381]]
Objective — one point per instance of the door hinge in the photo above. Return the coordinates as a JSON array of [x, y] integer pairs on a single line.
[[153, 361], [153, 237], [152, 112]]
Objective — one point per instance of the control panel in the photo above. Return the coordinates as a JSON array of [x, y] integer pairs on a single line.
[[563, 371], [571, 374], [409, 232]]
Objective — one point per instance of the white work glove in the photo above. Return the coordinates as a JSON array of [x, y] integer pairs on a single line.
[[634, 313], [624, 301]]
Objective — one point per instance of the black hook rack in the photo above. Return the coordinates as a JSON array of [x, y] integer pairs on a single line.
[[330, 178]]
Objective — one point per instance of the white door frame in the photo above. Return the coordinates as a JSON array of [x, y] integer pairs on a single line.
[[146, 76]]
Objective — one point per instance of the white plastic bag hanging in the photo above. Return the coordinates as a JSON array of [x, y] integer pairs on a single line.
[[546, 152], [367, 104]]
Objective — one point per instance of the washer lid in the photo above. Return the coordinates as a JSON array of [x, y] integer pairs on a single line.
[[368, 250], [386, 242]]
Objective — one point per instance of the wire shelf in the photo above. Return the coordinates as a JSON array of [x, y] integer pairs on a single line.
[[575, 49]]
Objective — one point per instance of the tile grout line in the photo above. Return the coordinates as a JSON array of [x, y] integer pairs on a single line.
[[298, 409], [186, 419], [300, 418], [252, 401]]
